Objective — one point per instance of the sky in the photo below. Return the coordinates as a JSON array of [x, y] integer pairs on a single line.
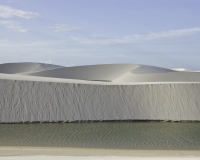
[[163, 33]]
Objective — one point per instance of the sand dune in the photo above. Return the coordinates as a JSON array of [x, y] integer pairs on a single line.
[[22, 68], [107, 72], [32, 92], [161, 77]]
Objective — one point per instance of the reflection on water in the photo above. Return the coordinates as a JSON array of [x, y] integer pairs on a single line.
[[129, 135]]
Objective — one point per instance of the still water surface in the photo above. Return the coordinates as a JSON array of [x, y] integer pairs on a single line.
[[125, 135]]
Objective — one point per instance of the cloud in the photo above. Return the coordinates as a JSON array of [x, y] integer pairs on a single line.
[[136, 38], [14, 26], [50, 47], [8, 12], [64, 28]]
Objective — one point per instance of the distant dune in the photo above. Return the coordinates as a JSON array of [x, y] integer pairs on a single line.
[[37, 92]]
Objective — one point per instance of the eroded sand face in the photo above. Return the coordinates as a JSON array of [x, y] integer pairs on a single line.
[[50, 93]]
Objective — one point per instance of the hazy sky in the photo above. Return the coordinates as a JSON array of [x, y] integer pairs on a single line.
[[78, 32]]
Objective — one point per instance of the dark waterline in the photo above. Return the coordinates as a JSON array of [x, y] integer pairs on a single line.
[[124, 135]]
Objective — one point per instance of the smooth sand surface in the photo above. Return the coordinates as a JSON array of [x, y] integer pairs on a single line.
[[14, 77], [26, 67], [106, 72], [63, 151], [43, 157], [94, 158]]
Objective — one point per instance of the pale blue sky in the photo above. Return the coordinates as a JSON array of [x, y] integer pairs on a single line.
[[163, 33]]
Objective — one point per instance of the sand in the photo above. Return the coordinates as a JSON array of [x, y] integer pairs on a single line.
[[63, 151], [105, 73], [36, 92], [94, 158], [48, 93], [25, 68]]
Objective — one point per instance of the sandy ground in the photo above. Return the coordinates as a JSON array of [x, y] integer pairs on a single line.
[[94, 157], [49, 153]]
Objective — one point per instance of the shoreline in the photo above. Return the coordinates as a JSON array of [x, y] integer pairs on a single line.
[[7, 151], [106, 121]]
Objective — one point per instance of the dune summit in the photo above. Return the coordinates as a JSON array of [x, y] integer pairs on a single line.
[[37, 92]]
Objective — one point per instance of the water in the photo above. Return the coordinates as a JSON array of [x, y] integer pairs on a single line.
[[124, 135]]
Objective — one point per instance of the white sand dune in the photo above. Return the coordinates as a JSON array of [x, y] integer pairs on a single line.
[[17, 68], [32, 92], [107, 72], [160, 77]]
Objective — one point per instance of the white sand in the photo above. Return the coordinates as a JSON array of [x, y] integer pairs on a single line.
[[35, 101], [94, 158], [42, 92], [106, 72], [86, 153], [134, 92], [27, 67]]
